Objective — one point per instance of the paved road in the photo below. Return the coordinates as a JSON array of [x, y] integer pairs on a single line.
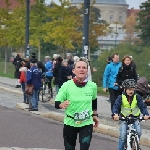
[[22, 129]]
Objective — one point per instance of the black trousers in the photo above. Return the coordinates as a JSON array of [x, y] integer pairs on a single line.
[[113, 96], [49, 83], [70, 136]]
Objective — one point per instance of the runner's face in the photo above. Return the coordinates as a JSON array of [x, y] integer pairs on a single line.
[[80, 70]]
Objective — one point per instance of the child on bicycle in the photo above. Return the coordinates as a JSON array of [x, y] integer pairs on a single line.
[[129, 104]]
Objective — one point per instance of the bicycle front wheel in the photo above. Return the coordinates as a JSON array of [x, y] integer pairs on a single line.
[[135, 143]]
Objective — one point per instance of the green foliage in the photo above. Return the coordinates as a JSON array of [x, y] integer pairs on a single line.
[[10, 70], [144, 22], [140, 57]]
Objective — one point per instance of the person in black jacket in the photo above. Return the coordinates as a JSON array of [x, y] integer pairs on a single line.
[[17, 63], [126, 71], [64, 73], [56, 70], [39, 63]]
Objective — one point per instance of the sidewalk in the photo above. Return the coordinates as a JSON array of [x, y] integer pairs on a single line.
[[107, 125]]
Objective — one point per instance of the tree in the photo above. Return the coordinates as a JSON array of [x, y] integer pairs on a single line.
[[62, 29], [4, 28], [17, 28], [130, 28], [144, 22], [37, 20], [97, 27]]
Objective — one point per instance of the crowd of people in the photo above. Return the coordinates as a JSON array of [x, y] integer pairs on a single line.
[[77, 94], [31, 71]]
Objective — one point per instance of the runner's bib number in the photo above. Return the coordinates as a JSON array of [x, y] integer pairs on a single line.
[[81, 117]]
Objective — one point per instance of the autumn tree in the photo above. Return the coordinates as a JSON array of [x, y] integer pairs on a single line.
[[4, 29], [17, 28], [144, 22], [37, 20], [130, 28], [62, 28]]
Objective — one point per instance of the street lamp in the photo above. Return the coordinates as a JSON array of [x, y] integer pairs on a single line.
[[27, 27], [85, 38]]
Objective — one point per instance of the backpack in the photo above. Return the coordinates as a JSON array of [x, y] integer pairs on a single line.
[[142, 86]]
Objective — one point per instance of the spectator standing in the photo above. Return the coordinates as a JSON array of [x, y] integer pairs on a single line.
[[39, 63], [34, 77], [70, 59], [23, 81], [64, 73], [126, 71], [56, 70], [55, 56], [109, 59], [48, 73], [133, 63], [109, 78], [17, 63]]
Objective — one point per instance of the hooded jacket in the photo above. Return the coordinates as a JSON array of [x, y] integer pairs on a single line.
[[110, 73]]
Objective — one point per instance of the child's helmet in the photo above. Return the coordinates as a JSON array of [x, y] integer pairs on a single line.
[[129, 83]]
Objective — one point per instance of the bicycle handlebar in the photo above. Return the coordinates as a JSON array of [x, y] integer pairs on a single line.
[[132, 118]]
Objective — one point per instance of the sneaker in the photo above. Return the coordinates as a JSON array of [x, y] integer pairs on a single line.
[[108, 100]]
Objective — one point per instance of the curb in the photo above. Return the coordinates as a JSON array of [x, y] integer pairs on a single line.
[[103, 129]]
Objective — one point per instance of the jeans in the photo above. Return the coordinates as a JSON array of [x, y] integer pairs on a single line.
[[34, 99], [123, 133], [57, 89], [23, 90]]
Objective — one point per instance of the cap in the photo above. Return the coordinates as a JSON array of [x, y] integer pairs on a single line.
[[33, 55]]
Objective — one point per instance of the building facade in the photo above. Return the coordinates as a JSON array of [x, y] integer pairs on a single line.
[[111, 10]]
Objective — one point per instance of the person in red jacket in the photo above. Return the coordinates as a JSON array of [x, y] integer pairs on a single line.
[[23, 81]]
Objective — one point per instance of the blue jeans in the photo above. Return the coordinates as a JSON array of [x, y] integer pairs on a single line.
[[34, 99], [123, 133], [23, 90], [57, 89]]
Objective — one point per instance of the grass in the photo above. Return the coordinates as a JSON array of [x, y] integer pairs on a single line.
[[10, 69], [101, 92]]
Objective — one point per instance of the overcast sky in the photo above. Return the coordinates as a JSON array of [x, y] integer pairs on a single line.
[[132, 3]]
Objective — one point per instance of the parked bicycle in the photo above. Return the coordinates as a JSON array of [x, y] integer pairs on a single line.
[[45, 92], [132, 135]]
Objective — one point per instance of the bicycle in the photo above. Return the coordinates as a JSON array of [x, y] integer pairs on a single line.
[[45, 92], [132, 136]]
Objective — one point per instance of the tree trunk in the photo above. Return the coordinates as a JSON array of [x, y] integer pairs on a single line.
[[39, 51]]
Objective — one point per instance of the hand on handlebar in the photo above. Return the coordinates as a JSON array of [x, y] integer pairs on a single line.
[[116, 117], [146, 117]]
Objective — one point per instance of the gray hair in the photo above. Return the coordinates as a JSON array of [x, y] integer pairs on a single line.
[[47, 57], [81, 59]]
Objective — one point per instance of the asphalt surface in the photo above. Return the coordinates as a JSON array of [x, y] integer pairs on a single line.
[[21, 129]]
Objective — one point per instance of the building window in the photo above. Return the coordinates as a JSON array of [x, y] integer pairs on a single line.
[[111, 18], [120, 19]]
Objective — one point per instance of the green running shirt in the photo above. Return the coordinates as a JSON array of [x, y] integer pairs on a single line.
[[80, 102]]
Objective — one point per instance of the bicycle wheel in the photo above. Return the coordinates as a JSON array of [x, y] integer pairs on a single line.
[[47, 95], [135, 143]]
